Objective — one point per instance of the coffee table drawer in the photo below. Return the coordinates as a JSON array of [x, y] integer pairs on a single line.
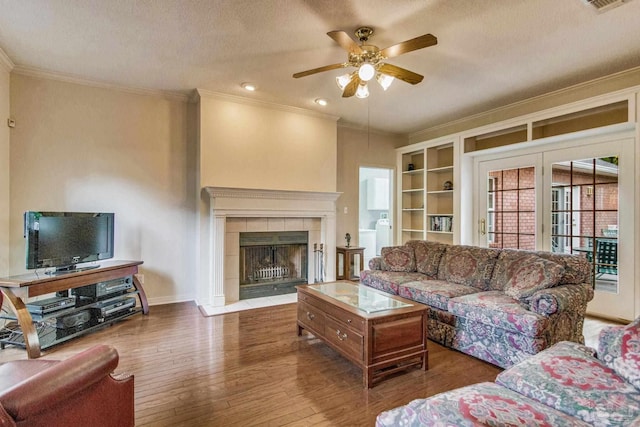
[[351, 320], [311, 317], [308, 299], [348, 341]]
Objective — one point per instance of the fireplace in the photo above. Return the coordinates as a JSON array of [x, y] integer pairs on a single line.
[[238, 210], [272, 263]]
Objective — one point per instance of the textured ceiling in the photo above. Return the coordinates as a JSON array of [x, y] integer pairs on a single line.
[[489, 53]]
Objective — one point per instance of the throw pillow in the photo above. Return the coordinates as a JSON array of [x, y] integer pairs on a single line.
[[576, 267], [531, 275], [508, 261], [428, 255], [398, 258], [623, 355], [468, 265]]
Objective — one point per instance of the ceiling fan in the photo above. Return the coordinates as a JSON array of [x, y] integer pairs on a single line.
[[368, 60]]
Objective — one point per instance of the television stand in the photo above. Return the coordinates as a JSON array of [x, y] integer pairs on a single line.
[[35, 332]]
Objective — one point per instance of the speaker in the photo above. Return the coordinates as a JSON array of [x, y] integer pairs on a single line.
[[74, 320]]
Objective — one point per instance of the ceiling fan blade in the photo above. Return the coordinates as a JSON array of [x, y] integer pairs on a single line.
[[345, 41], [409, 46], [400, 73], [352, 87], [319, 70]]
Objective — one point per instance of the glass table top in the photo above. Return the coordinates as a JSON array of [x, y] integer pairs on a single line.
[[361, 297]]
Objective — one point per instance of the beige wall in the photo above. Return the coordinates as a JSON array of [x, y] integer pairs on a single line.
[[257, 146], [356, 148], [82, 148], [4, 169]]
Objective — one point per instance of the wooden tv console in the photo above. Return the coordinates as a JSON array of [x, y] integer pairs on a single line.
[[16, 290]]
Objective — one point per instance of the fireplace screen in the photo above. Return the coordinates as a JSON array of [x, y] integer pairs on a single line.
[[272, 263]]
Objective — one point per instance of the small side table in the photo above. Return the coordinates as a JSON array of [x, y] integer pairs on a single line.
[[349, 262]]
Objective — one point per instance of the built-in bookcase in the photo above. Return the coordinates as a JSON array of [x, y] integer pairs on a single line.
[[439, 194], [412, 179], [427, 188]]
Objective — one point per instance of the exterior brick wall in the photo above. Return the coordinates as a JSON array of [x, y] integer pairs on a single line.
[[514, 205]]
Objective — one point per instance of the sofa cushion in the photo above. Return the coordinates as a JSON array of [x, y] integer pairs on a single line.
[[398, 258], [570, 379], [468, 265], [428, 255], [435, 293], [620, 350], [530, 274], [576, 267], [388, 281], [498, 309], [507, 262], [475, 405]]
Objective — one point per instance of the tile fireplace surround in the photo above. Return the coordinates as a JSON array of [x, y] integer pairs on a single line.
[[236, 210]]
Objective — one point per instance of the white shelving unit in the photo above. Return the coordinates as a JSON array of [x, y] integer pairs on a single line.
[[412, 194], [439, 194], [426, 192]]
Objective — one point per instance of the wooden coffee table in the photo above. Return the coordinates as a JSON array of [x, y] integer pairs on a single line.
[[381, 333]]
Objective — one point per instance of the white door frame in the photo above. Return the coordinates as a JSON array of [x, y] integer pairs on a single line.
[[606, 304], [587, 147], [482, 169]]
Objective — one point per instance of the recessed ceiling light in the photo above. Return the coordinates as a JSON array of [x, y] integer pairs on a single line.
[[321, 101], [249, 86]]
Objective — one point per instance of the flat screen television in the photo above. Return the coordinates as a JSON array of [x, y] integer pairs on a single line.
[[65, 239]]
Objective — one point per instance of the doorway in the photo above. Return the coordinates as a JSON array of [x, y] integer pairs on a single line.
[[375, 210], [567, 200]]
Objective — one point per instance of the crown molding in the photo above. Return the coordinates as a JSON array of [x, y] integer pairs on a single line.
[[50, 75], [204, 93], [5, 61], [505, 108]]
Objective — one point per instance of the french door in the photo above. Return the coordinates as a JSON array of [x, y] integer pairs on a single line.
[[508, 193], [572, 200]]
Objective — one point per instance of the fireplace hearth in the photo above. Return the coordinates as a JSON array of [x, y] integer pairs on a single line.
[[272, 263]]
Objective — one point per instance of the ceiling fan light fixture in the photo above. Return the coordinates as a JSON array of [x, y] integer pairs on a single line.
[[366, 72], [343, 80], [249, 86], [367, 59], [363, 91], [384, 80]]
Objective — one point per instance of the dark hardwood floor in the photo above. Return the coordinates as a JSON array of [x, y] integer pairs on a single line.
[[250, 368]]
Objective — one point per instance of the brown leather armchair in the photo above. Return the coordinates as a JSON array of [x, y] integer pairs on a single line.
[[77, 391]]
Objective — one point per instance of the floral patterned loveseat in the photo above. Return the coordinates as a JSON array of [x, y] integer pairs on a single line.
[[499, 305], [565, 385]]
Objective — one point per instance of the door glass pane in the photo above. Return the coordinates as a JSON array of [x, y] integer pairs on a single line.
[[585, 215], [511, 208]]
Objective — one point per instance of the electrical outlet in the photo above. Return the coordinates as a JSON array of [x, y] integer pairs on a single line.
[[11, 123], [346, 210]]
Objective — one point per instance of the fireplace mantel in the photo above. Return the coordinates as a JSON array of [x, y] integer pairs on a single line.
[[227, 202], [252, 193]]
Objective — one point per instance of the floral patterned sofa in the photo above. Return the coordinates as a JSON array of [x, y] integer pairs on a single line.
[[499, 305], [565, 385]]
